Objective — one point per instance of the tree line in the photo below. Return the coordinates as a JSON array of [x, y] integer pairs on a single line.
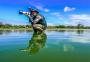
[[79, 26], [14, 26]]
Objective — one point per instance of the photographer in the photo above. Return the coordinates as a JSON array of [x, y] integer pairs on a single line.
[[38, 21]]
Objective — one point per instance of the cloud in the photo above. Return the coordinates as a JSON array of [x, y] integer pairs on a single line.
[[39, 6], [46, 10], [57, 14], [50, 24], [68, 9], [42, 8], [80, 18], [16, 22]]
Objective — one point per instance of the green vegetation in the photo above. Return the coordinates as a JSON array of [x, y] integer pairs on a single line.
[[79, 26], [9, 26], [29, 27]]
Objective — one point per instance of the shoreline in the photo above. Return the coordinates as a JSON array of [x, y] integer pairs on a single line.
[[46, 29]]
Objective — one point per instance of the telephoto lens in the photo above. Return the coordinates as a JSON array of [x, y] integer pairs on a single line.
[[20, 12]]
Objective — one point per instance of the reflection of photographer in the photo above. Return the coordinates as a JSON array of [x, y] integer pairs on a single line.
[[38, 21], [36, 43]]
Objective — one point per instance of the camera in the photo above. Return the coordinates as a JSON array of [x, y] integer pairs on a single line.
[[20, 12], [23, 12]]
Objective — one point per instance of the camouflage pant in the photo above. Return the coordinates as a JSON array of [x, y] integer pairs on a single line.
[[38, 27]]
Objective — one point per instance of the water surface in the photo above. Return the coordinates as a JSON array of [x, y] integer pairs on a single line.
[[51, 46]]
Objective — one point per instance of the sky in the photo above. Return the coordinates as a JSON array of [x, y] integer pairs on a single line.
[[56, 12]]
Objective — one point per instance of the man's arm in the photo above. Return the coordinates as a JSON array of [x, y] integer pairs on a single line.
[[28, 15], [37, 19]]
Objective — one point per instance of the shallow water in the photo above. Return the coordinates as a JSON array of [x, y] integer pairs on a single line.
[[51, 46]]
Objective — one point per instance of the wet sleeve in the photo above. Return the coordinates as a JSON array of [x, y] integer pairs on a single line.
[[37, 19]]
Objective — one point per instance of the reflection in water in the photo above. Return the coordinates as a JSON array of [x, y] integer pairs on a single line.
[[61, 47], [21, 31], [36, 43], [1, 32], [5, 32], [80, 31], [13, 31], [68, 48]]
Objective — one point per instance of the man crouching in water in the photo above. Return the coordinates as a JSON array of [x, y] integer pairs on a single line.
[[37, 21]]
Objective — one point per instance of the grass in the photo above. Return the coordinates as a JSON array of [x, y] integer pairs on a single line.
[[49, 29]]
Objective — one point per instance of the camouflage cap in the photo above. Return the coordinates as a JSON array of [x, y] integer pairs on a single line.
[[33, 10]]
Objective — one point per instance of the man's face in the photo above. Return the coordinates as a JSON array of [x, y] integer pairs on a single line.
[[34, 13]]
